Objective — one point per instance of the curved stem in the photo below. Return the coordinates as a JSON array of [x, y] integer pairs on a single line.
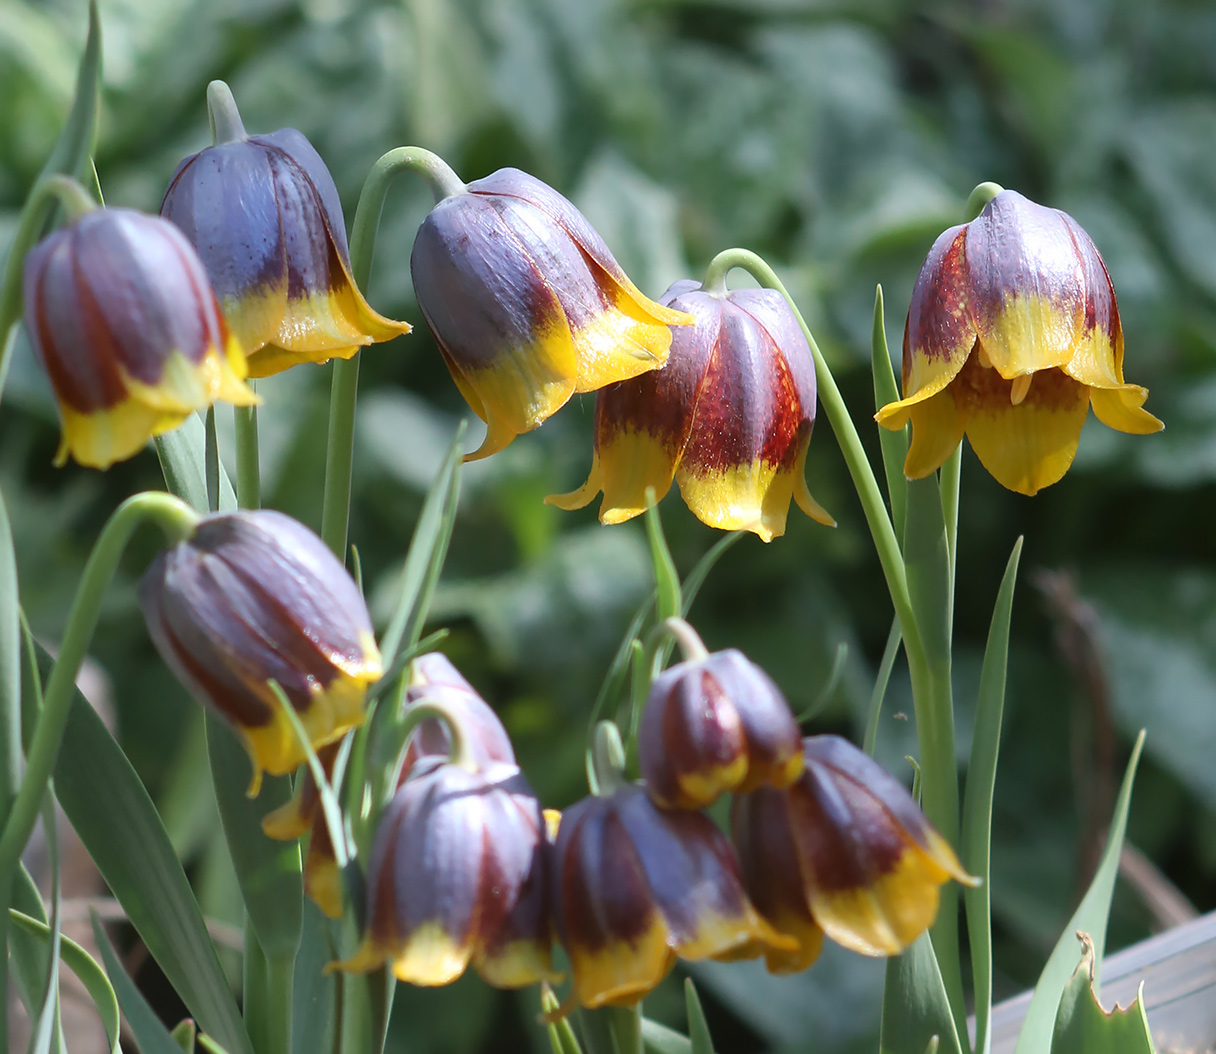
[[177, 520], [224, 117], [339, 453], [608, 759], [980, 197], [691, 646], [875, 509], [426, 709]]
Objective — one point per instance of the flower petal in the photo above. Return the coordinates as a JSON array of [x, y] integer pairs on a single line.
[[937, 430], [1122, 409]]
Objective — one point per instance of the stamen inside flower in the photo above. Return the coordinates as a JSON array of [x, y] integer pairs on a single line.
[[1020, 388]]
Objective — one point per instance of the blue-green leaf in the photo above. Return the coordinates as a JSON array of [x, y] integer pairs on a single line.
[[182, 454], [1083, 1027], [119, 826], [85, 967], [977, 799], [894, 444], [698, 1027], [914, 1004], [48, 1033], [150, 1035], [611, 1030], [1090, 917], [659, 1039]]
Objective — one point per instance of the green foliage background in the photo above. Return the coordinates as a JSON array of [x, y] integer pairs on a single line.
[[837, 139]]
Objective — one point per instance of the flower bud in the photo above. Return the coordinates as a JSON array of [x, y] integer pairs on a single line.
[[120, 313], [527, 304], [845, 851], [635, 886], [1012, 334], [458, 876], [254, 597], [729, 419], [264, 214], [713, 725]]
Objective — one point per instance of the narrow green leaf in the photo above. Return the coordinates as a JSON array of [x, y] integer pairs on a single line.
[[182, 455], [1083, 1027], [829, 686], [268, 871], [29, 956], [10, 667], [314, 991], [85, 967], [562, 1039], [666, 580], [119, 826], [894, 444], [150, 1035], [659, 1039], [889, 655], [611, 1030], [47, 1034], [70, 156], [184, 1034], [914, 1004], [696, 577], [698, 1027], [927, 558], [211, 460], [424, 559], [210, 1045], [1090, 917], [976, 840]]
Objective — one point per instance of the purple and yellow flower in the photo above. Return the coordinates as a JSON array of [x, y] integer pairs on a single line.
[[845, 851], [433, 679], [1012, 335], [255, 597], [458, 876], [527, 304], [120, 313], [264, 214], [729, 419], [714, 725], [636, 886]]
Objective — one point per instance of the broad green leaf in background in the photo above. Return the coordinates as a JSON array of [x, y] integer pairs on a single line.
[[119, 826], [70, 157], [151, 1036], [1090, 917], [977, 799], [1083, 1027], [85, 967], [914, 1006], [312, 1003]]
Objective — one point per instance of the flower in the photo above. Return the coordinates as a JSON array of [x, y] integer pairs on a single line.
[[845, 851], [729, 419], [1012, 334], [635, 886], [303, 815], [264, 214], [713, 725], [120, 313], [457, 875], [254, 597], [433, 679], [527, 304]]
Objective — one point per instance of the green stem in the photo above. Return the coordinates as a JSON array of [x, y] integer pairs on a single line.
[[691, 646], [608, 759], [177, 520], [254, 999], [280, 975], [879, 522], [870, 743], [980, 197], [425, 709], [222, 114], [951, 470], [339, 454], [248, 471]]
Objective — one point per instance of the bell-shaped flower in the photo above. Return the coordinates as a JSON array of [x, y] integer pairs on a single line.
[[120, 313], [527, 304], [433, 678], [635, 886], [729, 418], [713, 725], [264, 215], [1012, 335], [255, 597], [303, 815], [458, 876], [845, 851]]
